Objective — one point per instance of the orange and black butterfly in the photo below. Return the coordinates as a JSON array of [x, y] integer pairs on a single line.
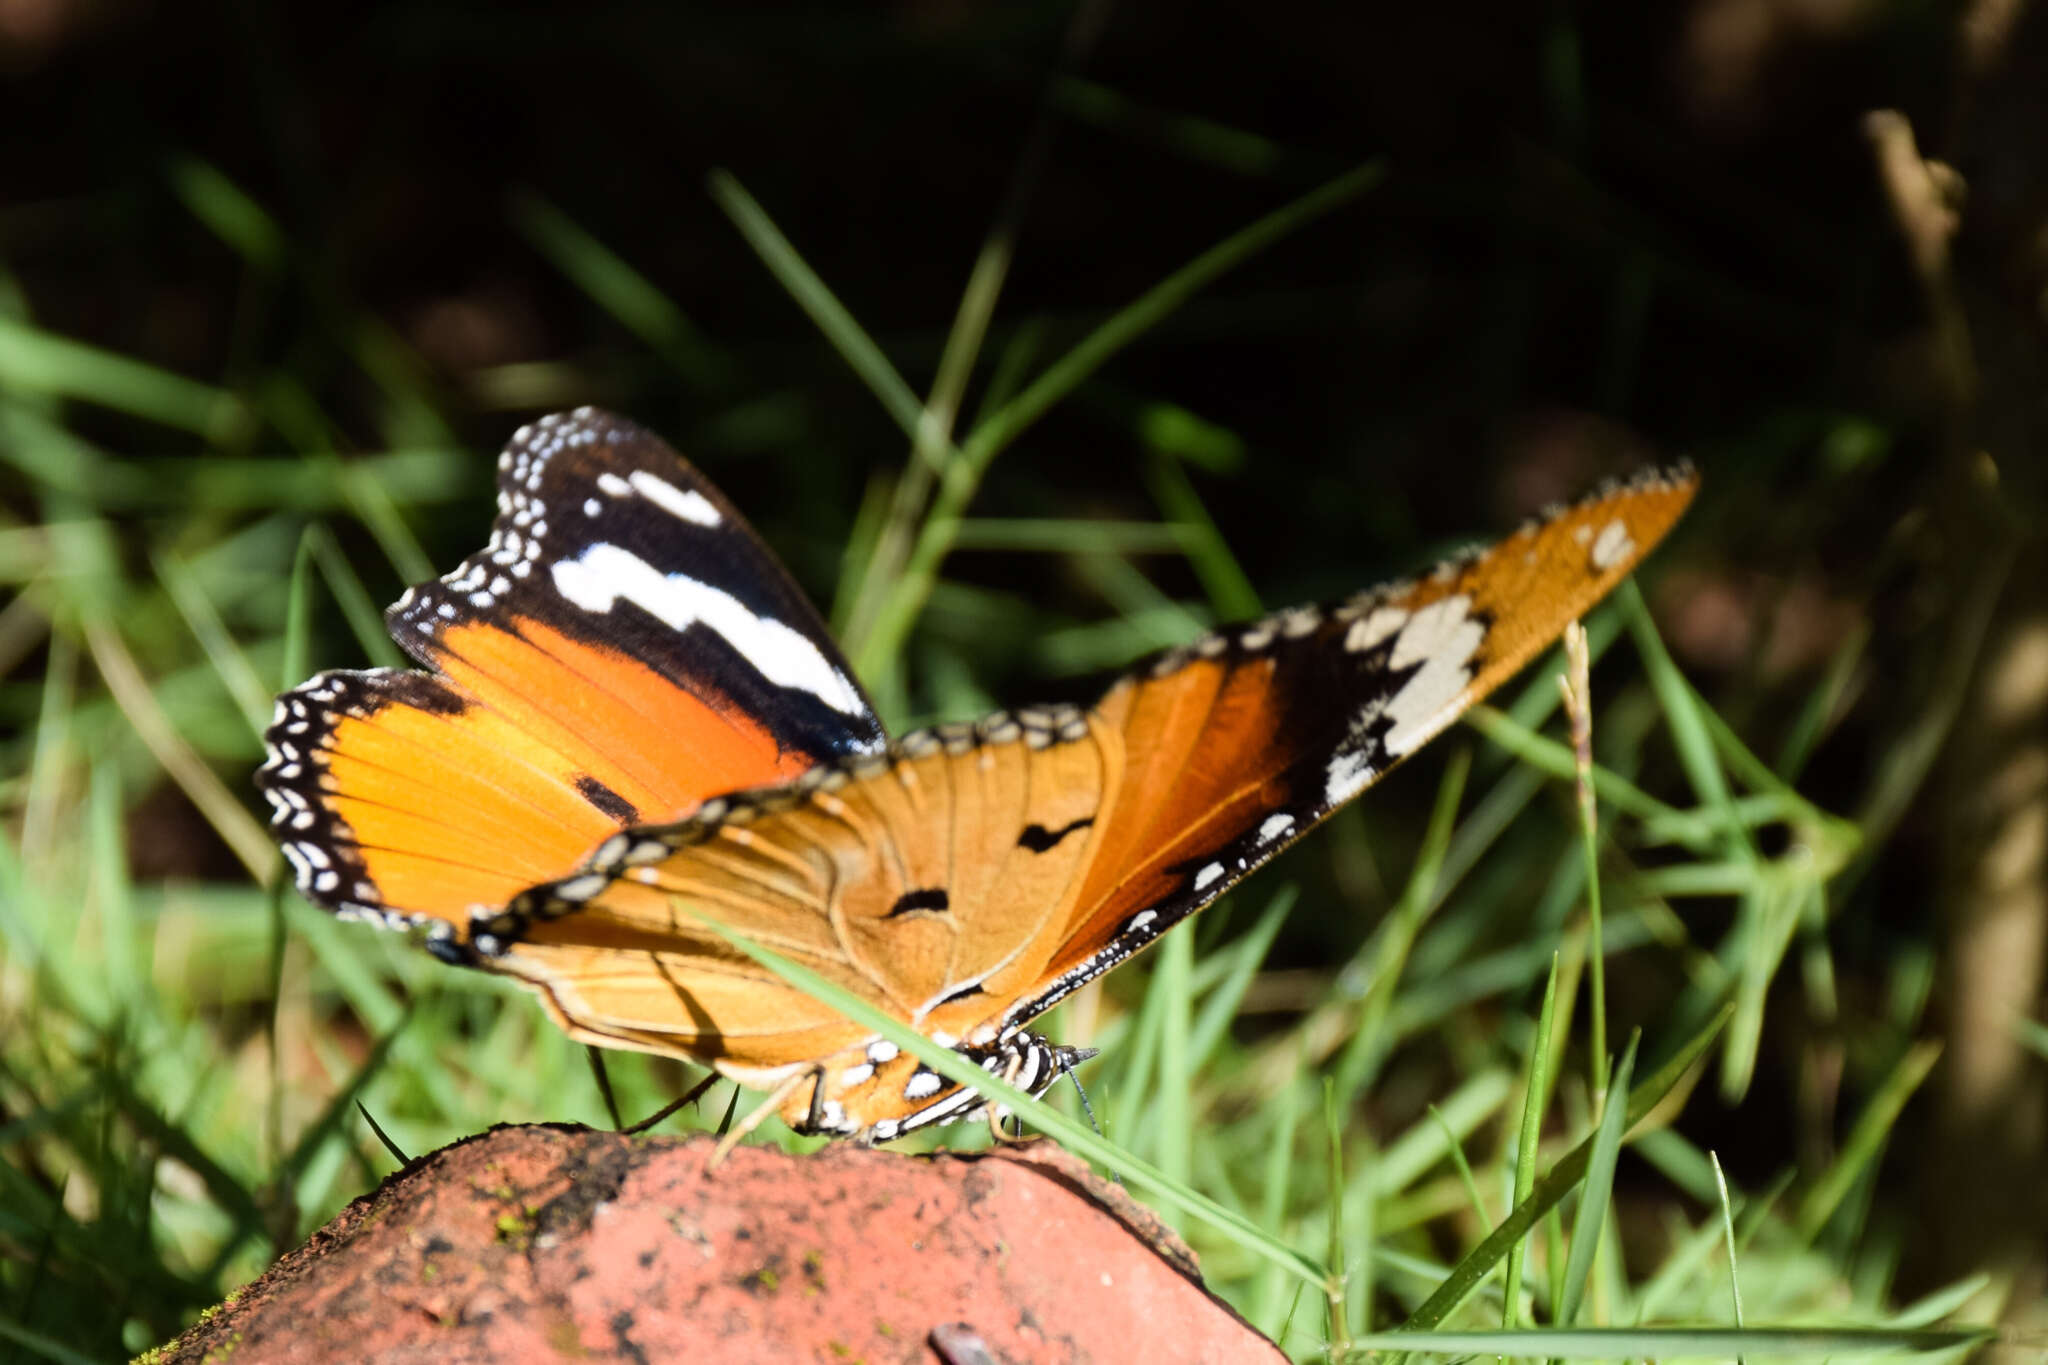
[[631, 722]]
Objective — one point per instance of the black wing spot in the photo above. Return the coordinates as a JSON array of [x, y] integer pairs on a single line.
[[1039, 839], [930, 898], [607, 800]]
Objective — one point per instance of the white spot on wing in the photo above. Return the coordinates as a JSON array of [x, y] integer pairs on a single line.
[[1429, 631], [603, 574], [1612, 547], [1208, 875], [1442, 639], [1371, 630], [1349, 774], [1274, 826], [686, 503]]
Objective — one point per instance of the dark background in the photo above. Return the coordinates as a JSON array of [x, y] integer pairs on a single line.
[[1608, 233]]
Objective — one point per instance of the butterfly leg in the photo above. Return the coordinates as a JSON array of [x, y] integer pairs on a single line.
[[688, 1098], [1011, 1074], [815, 1075]]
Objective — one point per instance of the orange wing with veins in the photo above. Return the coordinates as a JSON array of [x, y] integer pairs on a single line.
[[623, 648]]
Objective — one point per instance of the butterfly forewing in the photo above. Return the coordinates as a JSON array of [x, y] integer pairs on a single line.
[[621, 649], [1236, 745]]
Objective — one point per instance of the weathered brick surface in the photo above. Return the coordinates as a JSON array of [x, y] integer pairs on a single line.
[[558, 1243]]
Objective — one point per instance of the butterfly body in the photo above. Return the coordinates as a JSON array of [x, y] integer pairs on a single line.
[[668, 741]]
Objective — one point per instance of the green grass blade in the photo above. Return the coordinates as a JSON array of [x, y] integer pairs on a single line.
[[202, 618], [1247, 952], [1071, 1134], [1223, 579], [1673, 1343], [1535, 1099], [1728, 1230], [1340, 1271], [1272, 1295], [229, 213], [1558, 1182], [1597, 1192], [1686, 716], [36, 361], [811, 293], [620, 290], [365, 622], [964, 469], [1866, 1139], [1362, 1056], [1171, 1111]]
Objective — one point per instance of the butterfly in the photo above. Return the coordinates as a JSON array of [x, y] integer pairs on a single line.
[[630, 724]]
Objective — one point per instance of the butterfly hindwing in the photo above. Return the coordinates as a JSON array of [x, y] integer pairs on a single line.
[[622, 648], [908, 879]]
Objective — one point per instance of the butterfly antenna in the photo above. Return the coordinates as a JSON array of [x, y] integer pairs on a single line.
[[1089, 1110], [1086, 1108], [683, 1101], [595, 1056]]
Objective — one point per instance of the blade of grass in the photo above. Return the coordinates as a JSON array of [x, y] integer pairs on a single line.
[[1225, 583], [932, 441], [1557, 760], [1728, 1229], [1686, 717], [1340, 1274], [237, 675], [1597, 1191], [620, 290], [1361, 1058], [1558, 1182], [365, 622], [1535, 1099], [963, 471], [1672, 1343], [1070, 1134], [236, 827], [1271, 1294], [1171, 1111], [1246, 953], [229, 213], [811, 293], [1866, 1139], [36, 361]]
